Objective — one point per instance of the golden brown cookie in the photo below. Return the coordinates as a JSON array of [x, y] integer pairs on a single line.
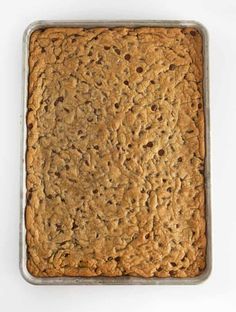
[[115, 153]]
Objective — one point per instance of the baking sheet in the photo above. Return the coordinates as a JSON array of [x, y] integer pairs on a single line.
[[125, 280]]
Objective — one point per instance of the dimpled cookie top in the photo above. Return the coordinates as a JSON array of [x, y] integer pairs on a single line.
[[115, 153]]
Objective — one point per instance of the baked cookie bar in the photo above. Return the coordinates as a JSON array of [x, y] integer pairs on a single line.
[[115, 153]]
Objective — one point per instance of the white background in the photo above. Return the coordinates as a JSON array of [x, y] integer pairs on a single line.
[[219, 291]]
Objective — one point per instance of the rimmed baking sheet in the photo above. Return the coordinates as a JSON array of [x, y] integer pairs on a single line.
[[126, 280]]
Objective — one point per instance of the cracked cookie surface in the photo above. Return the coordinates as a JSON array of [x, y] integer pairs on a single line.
[[115, 153]]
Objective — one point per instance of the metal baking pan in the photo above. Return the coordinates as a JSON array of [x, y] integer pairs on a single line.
[[126, 280]]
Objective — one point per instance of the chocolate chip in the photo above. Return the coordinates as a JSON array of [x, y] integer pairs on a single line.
[[58, 226], [139, 69], [74, 226], [161, 152], [58, 100], [117, 51], [29, 197], [154, 107], [127, 57], [172, 67], [193, 33], [149, 144]]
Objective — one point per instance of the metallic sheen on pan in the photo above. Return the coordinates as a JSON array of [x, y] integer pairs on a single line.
[[125, 280]]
